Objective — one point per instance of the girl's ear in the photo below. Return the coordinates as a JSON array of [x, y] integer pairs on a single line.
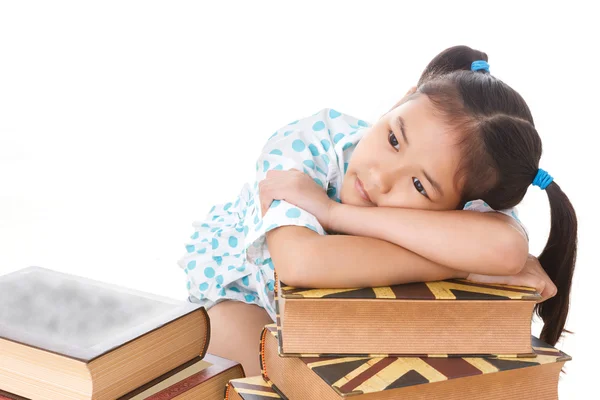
[[410, 91]]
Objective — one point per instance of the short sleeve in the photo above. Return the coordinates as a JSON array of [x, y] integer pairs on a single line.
[[305, 145], [482, 206]]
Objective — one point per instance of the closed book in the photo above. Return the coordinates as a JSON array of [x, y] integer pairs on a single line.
[[196, 379], [71, 338], [415, 378], [252, 388], [450, 318]]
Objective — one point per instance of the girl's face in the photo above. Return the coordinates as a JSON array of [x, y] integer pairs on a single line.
[[407, 159]]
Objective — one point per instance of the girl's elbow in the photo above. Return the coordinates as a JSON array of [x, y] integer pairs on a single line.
[[514, 251]]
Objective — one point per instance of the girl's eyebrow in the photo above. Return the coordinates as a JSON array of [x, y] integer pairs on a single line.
[[401, 124]]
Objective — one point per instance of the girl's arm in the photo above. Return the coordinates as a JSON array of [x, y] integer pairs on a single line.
[[304, 258], [482, 243]]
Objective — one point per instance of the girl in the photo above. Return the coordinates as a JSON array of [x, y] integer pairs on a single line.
[[396, 191]]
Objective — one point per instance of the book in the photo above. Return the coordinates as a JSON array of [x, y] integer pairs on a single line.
[[67, 337], [415, 378], [200, 378], [252, 388], [442, 318]]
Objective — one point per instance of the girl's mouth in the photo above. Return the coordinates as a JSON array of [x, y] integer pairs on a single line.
[[361, 190]]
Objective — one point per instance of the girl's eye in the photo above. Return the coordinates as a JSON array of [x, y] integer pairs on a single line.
[[419, 187], [393, 141]]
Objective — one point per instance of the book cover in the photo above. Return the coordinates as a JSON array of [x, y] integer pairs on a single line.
[[351, 376]]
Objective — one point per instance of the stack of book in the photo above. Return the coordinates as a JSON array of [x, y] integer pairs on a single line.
[[64, 337], [450, 339]]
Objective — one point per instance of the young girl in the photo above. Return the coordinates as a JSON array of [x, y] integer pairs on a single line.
[[396, 193]]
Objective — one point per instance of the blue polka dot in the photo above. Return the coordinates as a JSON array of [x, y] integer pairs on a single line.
[[313, 149], [298, 145], [266, 166], [293, 213], [246, 231], [201, 251], [240, 269], [331, 191], [271, 285], [312, 228], [214, 243], [213, 208], [309, 163], [325, 144], [209, 272], [352, 133], [226, 207], [190, 248], [215, 217], [276, 152], [195, 235], [347, 146], [191, 264], [345, 168], [318, 126], [230, 267], [201, 296], [321, 171], [287, 133], [468, 204], [257, 165], [219, 279], [273, 135], [233, 242], [216, 228], [245, 280], [188, 285], [234, 289], [258, 276], [325, 158], [203, 286], [222, 292], [362, 123], [275, 203], [318, 181], [237, 202], [270, 262], [258, 226], [279, 167], [256, 219], [333, 114], [338, 137], [218, 259], [486, 204], [249, 297], [205, 225]]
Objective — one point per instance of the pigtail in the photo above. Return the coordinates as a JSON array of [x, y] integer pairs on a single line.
[[558, 260], [452, 59]]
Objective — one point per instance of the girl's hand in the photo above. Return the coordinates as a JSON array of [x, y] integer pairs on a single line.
[[297, 188], [532, 275]]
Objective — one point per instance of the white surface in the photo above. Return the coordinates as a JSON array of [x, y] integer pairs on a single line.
[[115, 118]]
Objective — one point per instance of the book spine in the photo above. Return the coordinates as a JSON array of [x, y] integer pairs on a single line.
[[263, 367]]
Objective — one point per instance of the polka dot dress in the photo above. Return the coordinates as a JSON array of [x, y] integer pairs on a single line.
[[227, 256]]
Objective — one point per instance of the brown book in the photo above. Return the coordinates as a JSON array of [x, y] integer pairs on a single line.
[[196, 379], [415, 378], [69, 338], [252, 388], [443, 318]]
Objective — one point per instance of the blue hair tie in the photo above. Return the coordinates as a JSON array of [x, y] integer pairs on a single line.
[[542, 179], [480, 64]]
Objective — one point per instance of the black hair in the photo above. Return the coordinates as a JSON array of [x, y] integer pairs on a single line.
[[501, 151]]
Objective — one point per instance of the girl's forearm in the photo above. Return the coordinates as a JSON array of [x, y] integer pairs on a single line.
[[469, 241], [304, 259]]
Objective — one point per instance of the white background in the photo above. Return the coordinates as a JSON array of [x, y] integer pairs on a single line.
[[122, 122]]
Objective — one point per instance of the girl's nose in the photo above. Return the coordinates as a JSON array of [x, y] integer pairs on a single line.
[[381, 179]]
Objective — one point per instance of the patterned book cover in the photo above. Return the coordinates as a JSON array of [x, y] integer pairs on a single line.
[[253, 388], [349, 376], [453, 289]]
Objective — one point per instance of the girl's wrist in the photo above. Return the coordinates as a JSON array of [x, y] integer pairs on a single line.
[[333, 216]]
